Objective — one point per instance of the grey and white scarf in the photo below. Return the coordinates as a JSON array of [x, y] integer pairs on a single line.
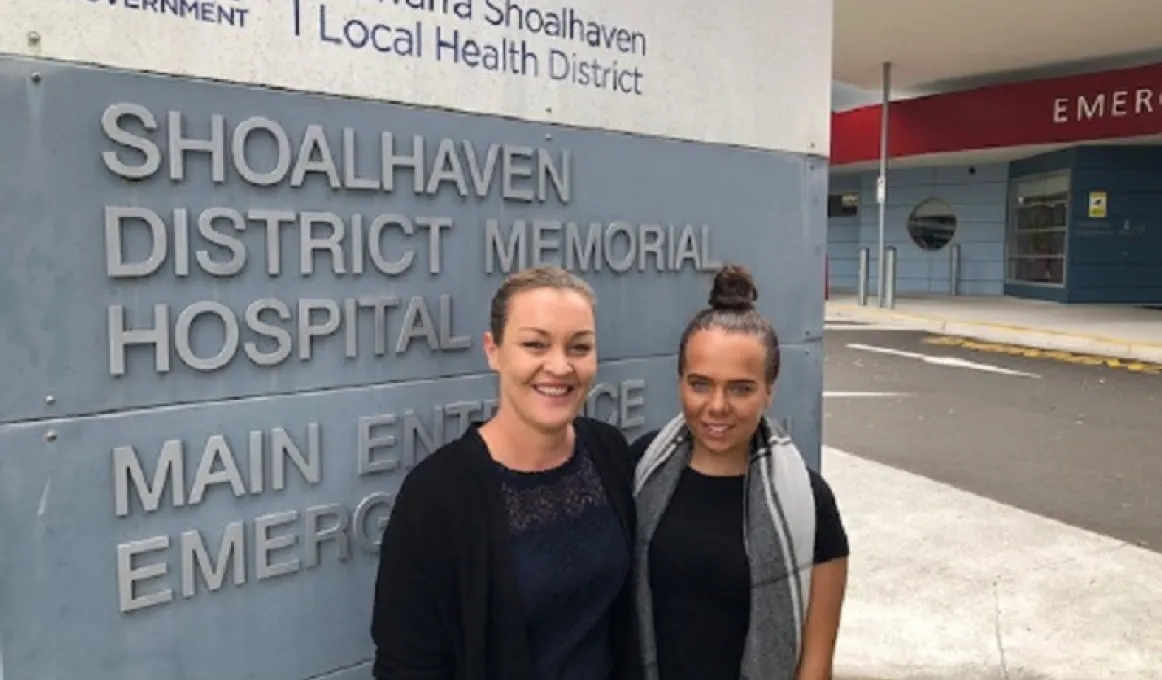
[[779, 538]]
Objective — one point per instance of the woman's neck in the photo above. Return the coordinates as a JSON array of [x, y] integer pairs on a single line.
[[517, 445], [726, 464]]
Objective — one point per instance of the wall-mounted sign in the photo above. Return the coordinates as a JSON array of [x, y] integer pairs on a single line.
[[1098, 205], [1078, 108], [1117, 103]]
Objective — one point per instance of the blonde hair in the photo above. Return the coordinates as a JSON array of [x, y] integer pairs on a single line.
[[533, 278]]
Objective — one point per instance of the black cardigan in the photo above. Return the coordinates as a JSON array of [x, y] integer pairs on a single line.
[[447, 605]]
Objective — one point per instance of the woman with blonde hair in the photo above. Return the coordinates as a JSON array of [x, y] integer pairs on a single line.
[[508, 552]]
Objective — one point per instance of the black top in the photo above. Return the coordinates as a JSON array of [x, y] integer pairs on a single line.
[[699, 575], [571, 561], [447, 601]]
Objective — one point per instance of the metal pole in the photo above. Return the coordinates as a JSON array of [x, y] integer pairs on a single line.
[[954, 269], [888, 299], [864, 266], [882, 181]]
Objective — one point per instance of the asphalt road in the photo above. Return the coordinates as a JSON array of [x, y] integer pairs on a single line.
[[1052, 435]]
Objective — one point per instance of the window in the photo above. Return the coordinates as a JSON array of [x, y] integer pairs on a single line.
[[1037, 229], [932, 224], [843, 205]]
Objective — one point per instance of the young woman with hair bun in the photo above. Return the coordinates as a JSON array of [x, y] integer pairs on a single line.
[[741, 554]]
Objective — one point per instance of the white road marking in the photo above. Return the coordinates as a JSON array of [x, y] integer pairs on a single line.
[[851, 395], [951, 362]]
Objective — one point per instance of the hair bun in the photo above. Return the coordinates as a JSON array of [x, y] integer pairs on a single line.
[[733, 290]]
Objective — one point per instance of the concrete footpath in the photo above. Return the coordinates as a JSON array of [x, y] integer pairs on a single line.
[[1113, 331], [947, 585]]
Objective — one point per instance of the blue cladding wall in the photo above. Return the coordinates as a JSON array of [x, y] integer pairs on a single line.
[[221, 522], [1116, 259], [1042, 164], [976, 195]]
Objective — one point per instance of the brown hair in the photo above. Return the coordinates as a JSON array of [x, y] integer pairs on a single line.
[[732, 309], [543, 276]]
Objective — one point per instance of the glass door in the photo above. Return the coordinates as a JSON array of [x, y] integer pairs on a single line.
[[1037, 229]]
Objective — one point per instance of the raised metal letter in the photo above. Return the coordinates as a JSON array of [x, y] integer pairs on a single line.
[[115, 265], [560, 177], [312, 543], [709, 264], [516, 164], [601, 390], [546, 241], [447, 168], [315, 138], [179, 145], [448, 341], [309, 331], [389, 161], [235, 245], [170, 468], [183, 329], [110, 125], [580, 256], [687, 250], [195, 558], [282, 159], [217, 449], [414, 432], [351, 178], [120, 337], [516, 254], [333, 242], [128, 575], [281, 335], [365, 539], [625, 264], [380, 305], [309, 466], [369, 442], [652, 241], [462, 411], [632, 396], [375, 244], [274, 220], [435, 227], [264, 545], [417, 323]]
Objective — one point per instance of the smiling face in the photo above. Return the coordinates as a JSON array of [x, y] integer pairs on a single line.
[[724, 389], [546, 357]]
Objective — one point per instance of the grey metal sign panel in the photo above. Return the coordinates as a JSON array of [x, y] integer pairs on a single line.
[[228, 540], [289, 366], [170, 241]]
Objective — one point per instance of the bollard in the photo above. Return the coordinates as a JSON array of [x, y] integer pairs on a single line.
[[954, 269], [864, 269], [888, 295]]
